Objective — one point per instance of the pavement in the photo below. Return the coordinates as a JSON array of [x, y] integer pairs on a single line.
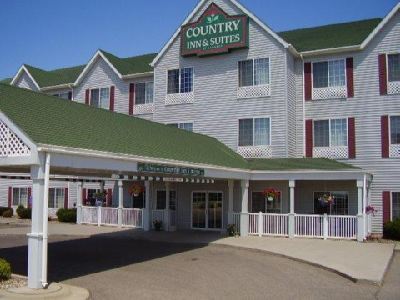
[[54, 291]]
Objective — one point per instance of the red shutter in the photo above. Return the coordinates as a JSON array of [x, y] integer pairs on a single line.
[[30, 197], [65, 197], [84, 196], [309, 138], [109, 197], [351, 137], [131, 98], [385, 136], [307, 82], [382, 74], [9, 196], [87, 95], [386, 206], [349, 77], [112, 92], [70, 95]]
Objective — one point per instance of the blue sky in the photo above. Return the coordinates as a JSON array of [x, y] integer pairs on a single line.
[[50, 34]]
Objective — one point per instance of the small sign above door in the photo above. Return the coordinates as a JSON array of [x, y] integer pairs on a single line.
[[153, 168]]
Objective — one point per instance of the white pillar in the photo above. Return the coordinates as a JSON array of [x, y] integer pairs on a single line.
[[360, 213], [146, 211], [166, 211], [79, 203], [244, 216], [291, 229], [45, 220], [230, 201], [325, 226], [35, 237], [120, 201]]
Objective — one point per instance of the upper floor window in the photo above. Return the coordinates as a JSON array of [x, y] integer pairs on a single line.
[[65, 95], [254, 132], [330, 133], [100, 98], [395, 129], [394, 67], [180, 81], [20, 197], [144, 93], [56, 197], [254, 72], [186, 126], [329, 74]]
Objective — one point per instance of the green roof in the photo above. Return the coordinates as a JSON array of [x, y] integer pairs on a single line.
[[282, 164], [330, 36], [6, 80]]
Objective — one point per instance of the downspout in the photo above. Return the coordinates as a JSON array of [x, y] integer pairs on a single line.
[[45, 221]]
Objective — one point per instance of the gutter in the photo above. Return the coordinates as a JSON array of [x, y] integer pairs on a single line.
[[330, 50]]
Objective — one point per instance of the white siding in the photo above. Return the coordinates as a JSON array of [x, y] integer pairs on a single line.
[[24, 81]]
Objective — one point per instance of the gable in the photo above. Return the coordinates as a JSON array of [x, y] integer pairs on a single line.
[[24, 80]]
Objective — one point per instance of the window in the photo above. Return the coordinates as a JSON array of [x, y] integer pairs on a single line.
[[394, 67], [180, 81], [64, 95], [56, 197], [20, 197], [254, 132], [330, 133], [329, 74], [260, 204], [100, 98], [395, 205], [339, 205], [254, 72], [395, 129], [186, 126], [162, 198], [144, 93]]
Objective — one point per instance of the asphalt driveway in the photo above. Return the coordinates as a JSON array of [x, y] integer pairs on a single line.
[[119, 267]]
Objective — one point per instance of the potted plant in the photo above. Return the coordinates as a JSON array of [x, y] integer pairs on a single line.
[[157, 225], [232, 230], [136, 189], [271, 194], [326, 199]]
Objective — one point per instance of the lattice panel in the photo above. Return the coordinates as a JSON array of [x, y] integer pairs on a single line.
[[331, 152], [143, 109], [394, 150], [255, 151], [329, 92], [10, 144], [394, 87], [179, 98], [254, 91]]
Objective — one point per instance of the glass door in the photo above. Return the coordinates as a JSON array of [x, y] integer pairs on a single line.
[[199, 210], [207, 210], [214, 213]]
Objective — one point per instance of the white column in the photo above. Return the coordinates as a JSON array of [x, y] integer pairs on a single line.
[[146, 211], [35, 237], [360, 214], [102, 186], [244, 216], [166, 212], [120, 201], [230, 201], [45, 220], [79, 203], [291, 229]]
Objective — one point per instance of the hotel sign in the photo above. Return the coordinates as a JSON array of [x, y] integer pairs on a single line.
[[215, 32], [153, 168]]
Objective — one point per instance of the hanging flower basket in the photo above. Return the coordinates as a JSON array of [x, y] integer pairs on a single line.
[[135, 190], [271, 194], [370, 210], [326, 199]]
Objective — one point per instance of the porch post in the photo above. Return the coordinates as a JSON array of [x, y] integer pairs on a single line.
[[230, 201], [35, 237], [244, 216], [360, 213], [291, 229], [146, 211], [166, 211], [79, 203], [120, 201]]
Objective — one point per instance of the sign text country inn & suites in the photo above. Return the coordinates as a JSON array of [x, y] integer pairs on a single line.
[[215, 32]]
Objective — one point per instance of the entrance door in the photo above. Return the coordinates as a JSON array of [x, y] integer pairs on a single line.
[[207, 210]]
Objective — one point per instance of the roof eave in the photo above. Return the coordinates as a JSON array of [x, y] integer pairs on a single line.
[[137, 75], [330, 50], [59, 86]]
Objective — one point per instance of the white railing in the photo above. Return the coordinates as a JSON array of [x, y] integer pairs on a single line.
[[109, 216], [309, 225], [275, 224], [132, 217], [342, 227], [253, 223], [89, 215]]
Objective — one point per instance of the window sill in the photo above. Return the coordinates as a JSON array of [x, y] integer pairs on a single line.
[[393, 87], [255, 151], [338, 152], [339, 92], [141, 109], [254, 91], [179, 98], [394, 151]]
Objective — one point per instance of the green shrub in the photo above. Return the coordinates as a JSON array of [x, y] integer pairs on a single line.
[[5, 270], [24, 213], [391, 230], [3, 209], [66, 215], [8, 213]]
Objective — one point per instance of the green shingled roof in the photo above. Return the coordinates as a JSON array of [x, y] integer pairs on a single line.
[[55, 77], [282, 164], [131, 65], [330, 36], [6, 80]]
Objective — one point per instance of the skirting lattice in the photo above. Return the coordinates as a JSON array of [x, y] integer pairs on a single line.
[[331, 152], [254, 91], [255, 151], [329, 92], [10, 144]]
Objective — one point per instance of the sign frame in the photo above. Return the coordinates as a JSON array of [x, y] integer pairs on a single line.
[[170, 170]]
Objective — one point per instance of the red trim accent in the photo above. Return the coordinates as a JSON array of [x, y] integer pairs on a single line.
[[307, 82], [69, 95], [65, 197], [131, 98], [109, 197], [87, 97], [386, 206], [112, 93], [382, 74], [385, 136], [351, 128], [30, 197], [349, 76], [9, 196], [84, 196], [309, 138]]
